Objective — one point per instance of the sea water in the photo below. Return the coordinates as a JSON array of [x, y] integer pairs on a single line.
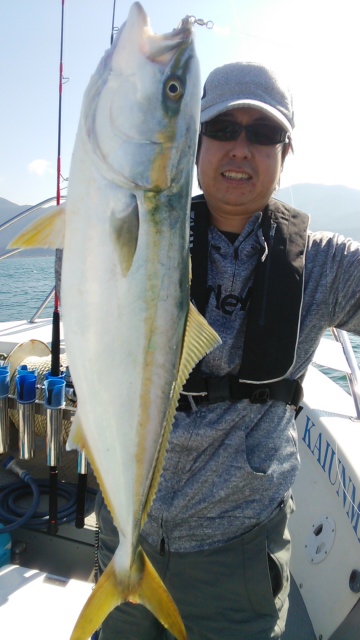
[[25, 283]]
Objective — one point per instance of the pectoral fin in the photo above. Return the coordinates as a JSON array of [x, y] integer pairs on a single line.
[[47, 232], [143, 586], [125, 231]]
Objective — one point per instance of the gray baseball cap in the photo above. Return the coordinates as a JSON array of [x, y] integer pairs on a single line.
[[247, 84]]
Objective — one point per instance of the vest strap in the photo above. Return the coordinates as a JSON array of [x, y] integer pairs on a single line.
[[225, 388], [273, 316]]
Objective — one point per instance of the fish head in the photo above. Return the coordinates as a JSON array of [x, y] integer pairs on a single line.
[[141, 109]]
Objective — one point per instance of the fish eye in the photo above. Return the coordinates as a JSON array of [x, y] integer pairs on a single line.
[[174, 88]]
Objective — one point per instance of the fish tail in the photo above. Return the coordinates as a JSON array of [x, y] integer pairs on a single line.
[[103, 599], [153, 594], [144, 587]]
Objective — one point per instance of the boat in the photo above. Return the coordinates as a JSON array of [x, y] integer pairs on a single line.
[[325, 528], [48, 569]]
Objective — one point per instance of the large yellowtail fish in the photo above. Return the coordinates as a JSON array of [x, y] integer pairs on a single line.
[[131, 335]]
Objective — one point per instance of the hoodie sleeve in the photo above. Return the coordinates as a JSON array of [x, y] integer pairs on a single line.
[[335, 265]]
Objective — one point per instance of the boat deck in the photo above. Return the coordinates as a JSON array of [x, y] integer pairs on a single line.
[[322, 604]]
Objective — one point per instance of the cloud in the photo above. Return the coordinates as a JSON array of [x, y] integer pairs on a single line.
[[40, 167]]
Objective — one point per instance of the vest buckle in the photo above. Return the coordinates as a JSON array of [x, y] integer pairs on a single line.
[[260, 396]]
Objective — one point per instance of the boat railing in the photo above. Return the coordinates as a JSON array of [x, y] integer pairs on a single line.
[[353, 376], [340, 336], [16, 218], [25, 213], [43, 305]]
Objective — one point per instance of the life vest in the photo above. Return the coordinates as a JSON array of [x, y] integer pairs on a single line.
[[273, 315]]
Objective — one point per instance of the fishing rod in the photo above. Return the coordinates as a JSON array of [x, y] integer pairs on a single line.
[[55, 344], [55, 341], [54, 421], [112, 24]]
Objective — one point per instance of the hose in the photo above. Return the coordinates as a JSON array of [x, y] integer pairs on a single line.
[[15, 516]]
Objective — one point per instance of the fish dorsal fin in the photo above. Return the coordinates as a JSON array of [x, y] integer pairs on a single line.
[[125, 231], [47, 232], [199, 340]]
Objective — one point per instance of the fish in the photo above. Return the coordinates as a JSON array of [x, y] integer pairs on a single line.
[[132, 335]]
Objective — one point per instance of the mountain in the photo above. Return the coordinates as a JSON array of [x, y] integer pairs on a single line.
[[9, 210], [331, 207]]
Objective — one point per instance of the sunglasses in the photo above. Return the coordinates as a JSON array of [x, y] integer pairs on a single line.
[[258, 133]]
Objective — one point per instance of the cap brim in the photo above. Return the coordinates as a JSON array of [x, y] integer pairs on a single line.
[[216, 110]]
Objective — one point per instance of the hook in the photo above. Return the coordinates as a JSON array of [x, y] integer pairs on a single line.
[[193, 20]]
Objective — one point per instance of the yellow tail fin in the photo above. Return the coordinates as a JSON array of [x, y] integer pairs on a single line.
[[143, 587]]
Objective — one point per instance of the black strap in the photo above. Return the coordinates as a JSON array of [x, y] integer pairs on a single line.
[[199, 252], [274, 309], [225, 388]]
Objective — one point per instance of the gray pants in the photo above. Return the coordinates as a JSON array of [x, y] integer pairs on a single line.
[[238, 591]]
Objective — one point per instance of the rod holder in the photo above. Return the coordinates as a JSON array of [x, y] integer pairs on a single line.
[[81, 490], [54, 401], [82, 463], [4, 408], [26, 396]]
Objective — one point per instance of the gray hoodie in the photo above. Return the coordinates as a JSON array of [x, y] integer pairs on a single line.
[[229, 465]]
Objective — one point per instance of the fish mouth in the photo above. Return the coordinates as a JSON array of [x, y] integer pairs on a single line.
[[160, 48], [155, 47]]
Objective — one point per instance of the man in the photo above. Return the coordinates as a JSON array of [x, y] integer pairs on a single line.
[[217, 530]]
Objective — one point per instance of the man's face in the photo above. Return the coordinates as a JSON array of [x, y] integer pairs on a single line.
[[238, 177]]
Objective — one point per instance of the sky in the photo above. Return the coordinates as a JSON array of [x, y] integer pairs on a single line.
[[314, 44]]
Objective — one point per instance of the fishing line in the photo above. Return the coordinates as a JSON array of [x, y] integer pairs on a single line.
[[61, 82], [291, 195]]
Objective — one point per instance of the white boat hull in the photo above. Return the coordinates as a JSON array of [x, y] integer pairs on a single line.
[[325, 527]]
